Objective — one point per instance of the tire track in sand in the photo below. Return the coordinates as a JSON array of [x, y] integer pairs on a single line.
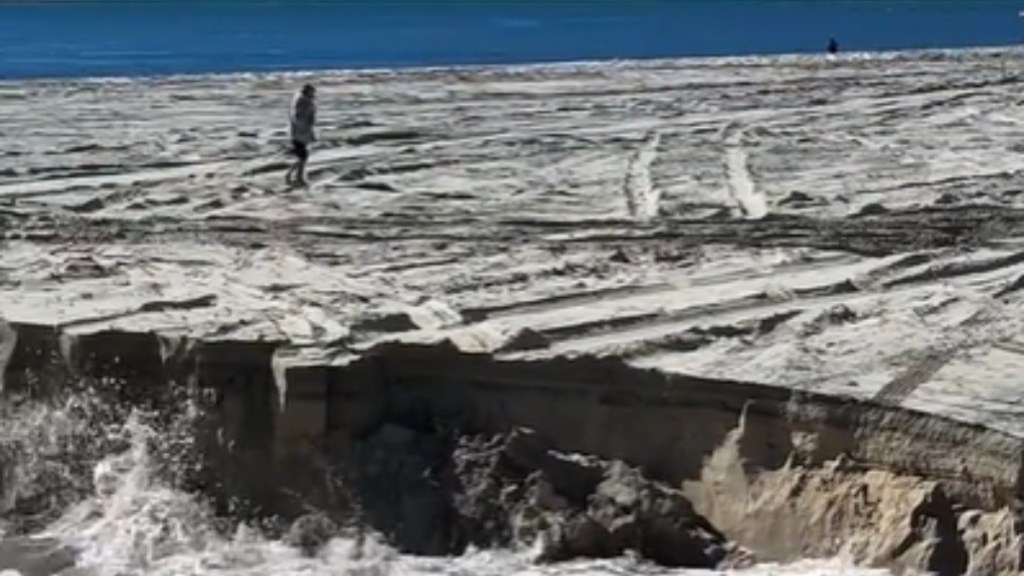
[[741, 183], [642, 197], [974, 331]]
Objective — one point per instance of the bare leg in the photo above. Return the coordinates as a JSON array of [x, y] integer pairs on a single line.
[[300, 172]]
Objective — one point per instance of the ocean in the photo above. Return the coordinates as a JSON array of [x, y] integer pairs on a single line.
[[152, 37]]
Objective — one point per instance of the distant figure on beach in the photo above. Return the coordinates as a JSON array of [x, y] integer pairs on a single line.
[[302, 119], [833, 46]]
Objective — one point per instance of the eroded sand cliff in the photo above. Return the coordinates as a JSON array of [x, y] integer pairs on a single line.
[[785, 291]]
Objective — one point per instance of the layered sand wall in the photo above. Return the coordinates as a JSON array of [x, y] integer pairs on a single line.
[[785, 474]]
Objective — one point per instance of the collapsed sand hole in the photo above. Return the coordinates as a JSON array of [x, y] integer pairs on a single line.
[[782, 474]]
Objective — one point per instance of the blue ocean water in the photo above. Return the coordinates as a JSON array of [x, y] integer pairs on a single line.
[[142, 37]]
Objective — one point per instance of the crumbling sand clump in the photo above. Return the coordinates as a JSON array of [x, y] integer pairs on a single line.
[[873, 517]]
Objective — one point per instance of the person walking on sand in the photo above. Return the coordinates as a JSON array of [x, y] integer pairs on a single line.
[[302, 122]]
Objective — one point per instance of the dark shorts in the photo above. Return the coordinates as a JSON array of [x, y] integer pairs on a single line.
[[300, 150]]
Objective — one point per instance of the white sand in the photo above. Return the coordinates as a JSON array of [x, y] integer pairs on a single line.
[[630, 209]]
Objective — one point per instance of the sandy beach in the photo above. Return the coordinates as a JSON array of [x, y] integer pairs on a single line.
[[851, 228], [605, 209]]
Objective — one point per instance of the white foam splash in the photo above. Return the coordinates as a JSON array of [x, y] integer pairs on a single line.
[[135, 526]]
